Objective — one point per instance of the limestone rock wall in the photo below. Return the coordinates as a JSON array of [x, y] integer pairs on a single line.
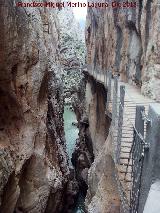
[[72, 53], [83, 156], [127, 41], [102, 195], [95, 109], [72, 39], [33, 160]]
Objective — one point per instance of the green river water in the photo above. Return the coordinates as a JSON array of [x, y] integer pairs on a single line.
[[71, 134]]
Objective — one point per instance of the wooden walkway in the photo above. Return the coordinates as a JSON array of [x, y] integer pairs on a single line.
[[132, 98]]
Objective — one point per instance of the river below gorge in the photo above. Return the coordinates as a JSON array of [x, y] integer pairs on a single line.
[[71, 134]]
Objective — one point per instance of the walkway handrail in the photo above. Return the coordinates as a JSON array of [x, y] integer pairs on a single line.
[[116, 100]]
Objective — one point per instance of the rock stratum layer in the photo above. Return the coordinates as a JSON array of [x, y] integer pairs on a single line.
[[127, 41], [33, 160]]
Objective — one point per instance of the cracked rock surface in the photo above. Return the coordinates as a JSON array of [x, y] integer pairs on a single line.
[[127, 41], [33, 161]]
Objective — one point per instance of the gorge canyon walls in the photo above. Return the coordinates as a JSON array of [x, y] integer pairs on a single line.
[[33, 161], [127, 41], [39, 57], [102, 194], [72, 53]]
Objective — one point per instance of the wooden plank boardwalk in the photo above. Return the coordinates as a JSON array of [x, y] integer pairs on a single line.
[[133, 98]]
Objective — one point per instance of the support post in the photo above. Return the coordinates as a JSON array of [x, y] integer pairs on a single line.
[[120, 123], [137, 158], [109, 89], [150, 181], [139, 122], [106, 79], [96, 73], [89, 68], [114, 102], [92, 70]]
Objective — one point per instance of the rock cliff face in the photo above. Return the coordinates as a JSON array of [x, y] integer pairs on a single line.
[[72, 39], [72, 53], [102, 195], [127, 41], [33, 160]]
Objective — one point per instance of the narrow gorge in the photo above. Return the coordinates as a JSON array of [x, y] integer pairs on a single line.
[[57, 107]]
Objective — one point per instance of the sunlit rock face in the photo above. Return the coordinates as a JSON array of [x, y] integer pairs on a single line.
[[72, 39], [72, 52], [33, 160], [127, 41]]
